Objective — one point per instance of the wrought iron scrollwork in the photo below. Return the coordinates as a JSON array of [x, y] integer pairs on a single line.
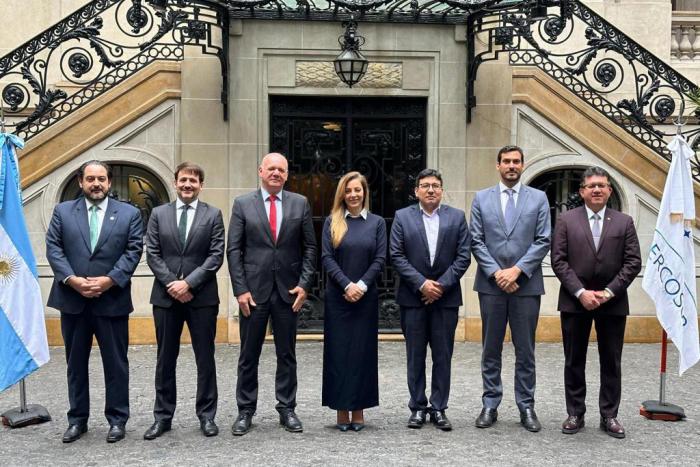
[[611, 72], [98, 47]]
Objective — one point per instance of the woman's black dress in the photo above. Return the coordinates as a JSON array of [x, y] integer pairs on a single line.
[[350, 373]]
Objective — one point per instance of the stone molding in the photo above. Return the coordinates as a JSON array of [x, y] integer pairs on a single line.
[[322, 75]]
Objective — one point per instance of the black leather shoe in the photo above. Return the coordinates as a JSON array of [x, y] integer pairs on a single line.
[[208, 427], [242, 424], [528, 419], [158, 428], [357, 426], [486, 418], [291, 422], [572, 424], [343, 426], [116, 433], [74, 432], [612, 427], [417, 419], [440, 420]]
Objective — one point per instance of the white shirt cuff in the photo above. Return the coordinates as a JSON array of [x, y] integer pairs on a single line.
[[579, 292], [362, 285]]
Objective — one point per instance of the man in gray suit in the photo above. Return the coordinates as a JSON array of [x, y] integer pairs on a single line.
[[271, 256], [185, 249], [510, 229]]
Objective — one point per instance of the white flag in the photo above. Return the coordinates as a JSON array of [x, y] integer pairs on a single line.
[[669, 277]]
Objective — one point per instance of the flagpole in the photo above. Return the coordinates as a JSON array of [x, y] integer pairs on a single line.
[[662, 386]]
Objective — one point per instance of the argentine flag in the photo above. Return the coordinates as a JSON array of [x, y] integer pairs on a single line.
[[23, 344]]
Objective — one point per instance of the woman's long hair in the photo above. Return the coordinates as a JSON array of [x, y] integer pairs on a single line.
[[339, 226]]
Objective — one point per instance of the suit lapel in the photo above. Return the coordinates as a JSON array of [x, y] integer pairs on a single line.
[[171, 223], [81, 219], [606, 228], [108, 222], [286, 207], [496, 200], [198, 215], [519, 205], [441, 229], [586, 227], [418, 219], [260, 207]]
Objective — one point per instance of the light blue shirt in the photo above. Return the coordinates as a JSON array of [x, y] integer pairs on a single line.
[[190, 214], [431, 222], [278, 205]]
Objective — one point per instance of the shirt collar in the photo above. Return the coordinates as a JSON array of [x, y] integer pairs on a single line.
[[425, 213], [266, 195], [102, 204], [179, 204], [589, 212], [363, 214], [516, 188]]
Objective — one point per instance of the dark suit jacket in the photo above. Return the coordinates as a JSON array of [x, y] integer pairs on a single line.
[[117, 253], [196, 262], [255, 262], [411, 258], [578, 265]]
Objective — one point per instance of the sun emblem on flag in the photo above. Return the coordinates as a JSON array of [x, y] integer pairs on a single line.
[[8, 269]]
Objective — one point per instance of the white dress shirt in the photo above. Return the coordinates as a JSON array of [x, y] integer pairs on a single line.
[[431, 222], [504, 195], [190, 214], [278, 205]]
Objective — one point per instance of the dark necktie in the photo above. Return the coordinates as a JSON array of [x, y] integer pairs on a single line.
[[509, 214], [595, 230], [182, 226], [273, 217]]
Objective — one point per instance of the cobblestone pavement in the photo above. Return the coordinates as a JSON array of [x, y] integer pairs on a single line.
[[386, 440]]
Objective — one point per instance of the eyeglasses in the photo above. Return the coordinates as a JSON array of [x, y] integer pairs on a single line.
[[593, 186], [427, 186]]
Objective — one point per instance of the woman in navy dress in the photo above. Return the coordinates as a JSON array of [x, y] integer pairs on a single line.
[[354, 252]]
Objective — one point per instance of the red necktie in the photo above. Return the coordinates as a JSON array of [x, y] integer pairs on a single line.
[[273, 217]]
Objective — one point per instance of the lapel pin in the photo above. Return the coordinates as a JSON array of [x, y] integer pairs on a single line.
[[111, 218]]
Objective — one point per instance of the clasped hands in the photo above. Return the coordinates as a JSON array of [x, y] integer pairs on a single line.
[[592, 299], [90, 287], [506, 279], [431, 290], [353, 293], [180, 291], [246, 302]]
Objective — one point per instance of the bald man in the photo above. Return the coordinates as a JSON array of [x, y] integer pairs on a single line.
[[271, 258]]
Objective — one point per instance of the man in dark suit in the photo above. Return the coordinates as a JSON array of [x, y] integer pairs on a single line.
[[595, 255], [430, 251], [185, 249], [93, 245], [271, 256], [510, 228]]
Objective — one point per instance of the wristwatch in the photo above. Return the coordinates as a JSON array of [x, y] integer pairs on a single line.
[[607, 294]]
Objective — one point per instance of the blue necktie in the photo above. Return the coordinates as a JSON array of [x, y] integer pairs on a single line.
[[509, 214], [94, 227]]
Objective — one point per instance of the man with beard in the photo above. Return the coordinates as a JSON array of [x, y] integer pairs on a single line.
[[185, 249], [271, 257], [93, 245], [510, 228]]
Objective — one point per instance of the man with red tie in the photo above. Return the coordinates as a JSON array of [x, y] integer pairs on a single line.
[[271, 258], [595, 255]]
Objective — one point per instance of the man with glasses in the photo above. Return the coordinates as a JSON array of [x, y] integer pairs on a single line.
[[595, 255], [510, 229], [429, 248]]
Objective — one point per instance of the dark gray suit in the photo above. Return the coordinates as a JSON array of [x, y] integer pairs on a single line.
[[268, 270], [197, 262], [106, 317], [496, 247]]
